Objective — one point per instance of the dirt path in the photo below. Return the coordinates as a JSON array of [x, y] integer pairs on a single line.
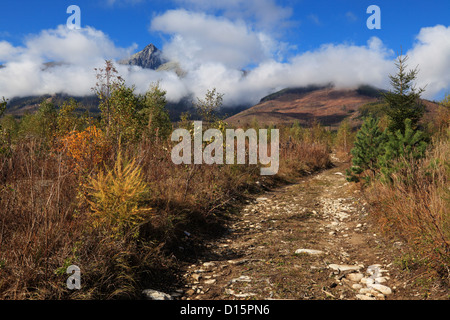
[[311, 240]]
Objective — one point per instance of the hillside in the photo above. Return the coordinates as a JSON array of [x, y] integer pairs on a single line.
[[326, 104]]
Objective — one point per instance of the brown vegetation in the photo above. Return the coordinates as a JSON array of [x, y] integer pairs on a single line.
[[119, 211]]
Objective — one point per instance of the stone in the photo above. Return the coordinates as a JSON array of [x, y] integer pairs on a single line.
[[211, 281], [176, 295], [365, 290], [380, 296], [190, 292], [200, 271], [355, 277], [156, 295], [380, 280], [383, 289], [357, 286], [308, 251], [229, 291], [237, 262], [241, 279], [196, 276], [367, 281], [344, 267], [209, 264]]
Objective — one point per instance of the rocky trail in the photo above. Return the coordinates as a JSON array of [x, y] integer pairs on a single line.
[[310, 240]]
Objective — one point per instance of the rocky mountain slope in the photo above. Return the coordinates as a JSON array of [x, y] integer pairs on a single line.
[[150, 58], [326, 104]]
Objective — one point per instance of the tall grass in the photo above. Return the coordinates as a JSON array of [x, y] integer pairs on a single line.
[[119, 221], [416, 206]]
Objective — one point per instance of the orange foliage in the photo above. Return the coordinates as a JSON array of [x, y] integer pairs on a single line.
[[85, 149]]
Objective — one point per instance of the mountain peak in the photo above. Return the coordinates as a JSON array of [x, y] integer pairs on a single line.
[[149, 58]]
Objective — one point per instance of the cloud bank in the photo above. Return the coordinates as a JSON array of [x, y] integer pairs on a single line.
[[214, 51]]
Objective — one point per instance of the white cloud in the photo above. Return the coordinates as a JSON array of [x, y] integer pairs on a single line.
[[431, 53], [77, 53], [201, 38], [7, 51], [79, 47], [266, 15]]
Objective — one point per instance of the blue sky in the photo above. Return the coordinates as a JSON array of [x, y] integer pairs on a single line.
[[214, 39], [312, 22]]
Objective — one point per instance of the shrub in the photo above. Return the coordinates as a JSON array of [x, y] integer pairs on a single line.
[[84, 150], [115, 198], [410, 145], [368, 147]]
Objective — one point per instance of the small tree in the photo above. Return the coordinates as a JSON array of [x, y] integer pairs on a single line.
[[404, 101], [207, 108], [344, 136], [125, 119], [410, 145], [155, 115], [368, 147], [67, 120], [108, 81], [46, 117], [119, 105]]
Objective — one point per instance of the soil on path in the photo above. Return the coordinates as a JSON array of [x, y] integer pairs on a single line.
[[310, 240]]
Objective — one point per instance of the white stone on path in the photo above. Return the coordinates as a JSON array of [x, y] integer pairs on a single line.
[[383, 289], [211, 281], [344, 267], [355, 277], [308, 251], [156, 295]]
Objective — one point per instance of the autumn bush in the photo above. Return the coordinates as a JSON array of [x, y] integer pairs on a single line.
[[84, 150], [116, 199]]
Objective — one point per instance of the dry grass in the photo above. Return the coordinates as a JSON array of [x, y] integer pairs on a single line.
[[45, 225], [416, 207]]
